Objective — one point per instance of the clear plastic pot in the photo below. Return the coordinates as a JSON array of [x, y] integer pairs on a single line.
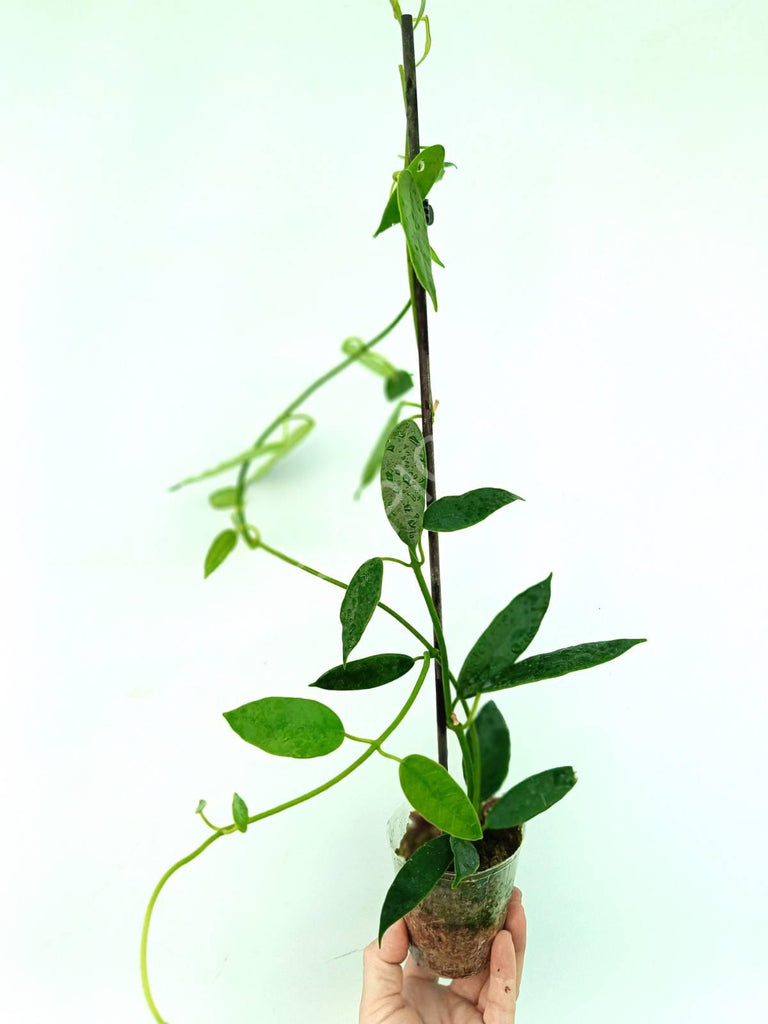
[[452, 930]]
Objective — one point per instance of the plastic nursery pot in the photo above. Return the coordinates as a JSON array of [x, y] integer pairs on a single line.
[[452, 930]]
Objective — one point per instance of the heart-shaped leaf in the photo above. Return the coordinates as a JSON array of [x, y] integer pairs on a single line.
[[488, 663], [288, 726], [438, 797], [493, 739], [240, 813], [365, 673], [359, 604], [565, 660], [426, 171], [466, 860], [414, 223], [463, 510], [221, 546], [415, 880], [404, 481], [530, 797]]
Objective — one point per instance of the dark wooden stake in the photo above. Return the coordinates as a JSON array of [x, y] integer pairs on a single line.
[[422, 341]]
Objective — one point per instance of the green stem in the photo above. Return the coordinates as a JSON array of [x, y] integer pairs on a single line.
[[306, 393], [361, 739], [376, 745], [338, 583], [437, 626]]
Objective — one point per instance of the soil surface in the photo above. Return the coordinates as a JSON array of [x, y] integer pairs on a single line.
[[495, 846]]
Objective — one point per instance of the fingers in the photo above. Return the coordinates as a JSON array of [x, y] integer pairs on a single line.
[[516, 925], [502, 982], [383, 975]]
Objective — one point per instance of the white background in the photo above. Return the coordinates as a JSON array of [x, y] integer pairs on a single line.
[[187, 199]]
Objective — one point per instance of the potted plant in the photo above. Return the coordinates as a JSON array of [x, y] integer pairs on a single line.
[[455, 845]]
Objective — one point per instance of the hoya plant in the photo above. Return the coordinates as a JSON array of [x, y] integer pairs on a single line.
[[451, 820]]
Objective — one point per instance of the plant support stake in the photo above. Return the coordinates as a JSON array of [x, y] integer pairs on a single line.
[[419, 301]]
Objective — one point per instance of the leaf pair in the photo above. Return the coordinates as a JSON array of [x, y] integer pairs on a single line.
[[492, 664]]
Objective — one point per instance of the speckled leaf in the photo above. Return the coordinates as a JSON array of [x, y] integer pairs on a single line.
[[567, 659], [404, 481], [493, 738], [414, 224], [426, 170], [530, 797], [365, 673], [438, 797], [359, 604], [463, 510], [466, 860], [288, 726], [221, 546], [240, 813], [488, 664], [415, 880]]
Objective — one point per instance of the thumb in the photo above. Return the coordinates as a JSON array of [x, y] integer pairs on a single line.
[[383, 975]]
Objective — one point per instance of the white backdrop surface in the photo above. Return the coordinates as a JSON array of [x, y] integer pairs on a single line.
[[187, 198]]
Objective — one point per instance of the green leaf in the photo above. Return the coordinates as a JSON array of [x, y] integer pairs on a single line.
[[373, 465], [225, 497], [414, 224], [530, 797], [438, 797], [365, 673], [488, 663], [463, 510], [415, 880], [288, 726], [565, 660], [436, 258], [493, 739], [466, 860], [202, 804], [374, 361], [397, 384], [240, 813], [221, 546], [359, 604], [404, 481], [425, 169]]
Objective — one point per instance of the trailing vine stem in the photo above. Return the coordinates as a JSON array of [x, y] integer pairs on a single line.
[[375, 745], [300, 399]]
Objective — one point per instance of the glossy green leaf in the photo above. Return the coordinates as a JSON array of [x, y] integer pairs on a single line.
[[288, 726], [240, 813], [488, 663], [365, 673], [221, 546], [225, 497], [466, 860], [530, 797], [436, 258], [415, 880], [565, 660], [425, 168], [438, 797], [359, 603], [202, 804], [373, 465], [414, 224], [463, 510], [404, 481], [397, 384], [494, 742]]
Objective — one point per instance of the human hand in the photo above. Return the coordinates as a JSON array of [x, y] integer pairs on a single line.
[[413, 996]]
